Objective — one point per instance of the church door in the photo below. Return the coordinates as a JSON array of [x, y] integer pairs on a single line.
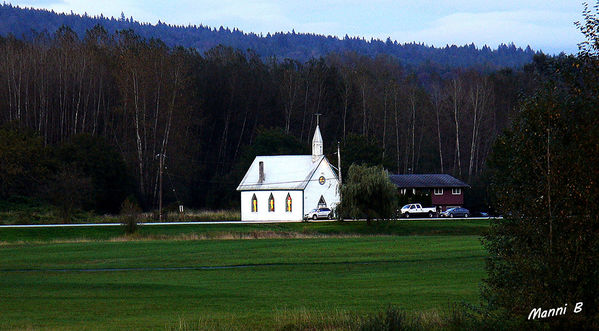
[[322, 203]]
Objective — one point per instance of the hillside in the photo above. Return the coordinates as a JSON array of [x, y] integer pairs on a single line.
[[25, 23]]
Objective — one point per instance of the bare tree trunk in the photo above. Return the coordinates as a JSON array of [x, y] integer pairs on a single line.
[[346, 96], [305, 110], [81, 74], [140, 158], [364, 127], [384, 121], [412, 98], [241, 133], [549, 190], [475, 101], [456, 90], [291, 95], [396, 111], [436, 96]]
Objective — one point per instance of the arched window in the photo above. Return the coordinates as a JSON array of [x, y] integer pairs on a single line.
[[288, 203], [271, 203], [254, 204]]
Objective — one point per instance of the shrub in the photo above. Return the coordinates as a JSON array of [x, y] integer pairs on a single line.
[[130, 213]]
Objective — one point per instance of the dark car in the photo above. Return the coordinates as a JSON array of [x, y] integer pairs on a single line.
[[456, 212]]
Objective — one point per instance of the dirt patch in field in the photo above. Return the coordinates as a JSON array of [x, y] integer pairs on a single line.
[[253, 235]]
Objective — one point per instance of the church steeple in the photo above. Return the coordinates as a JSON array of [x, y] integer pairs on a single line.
[[316, 145]]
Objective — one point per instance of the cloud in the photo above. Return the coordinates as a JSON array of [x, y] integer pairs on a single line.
[[550, 31]]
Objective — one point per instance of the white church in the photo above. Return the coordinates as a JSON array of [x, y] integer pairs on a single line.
[[285, 187]]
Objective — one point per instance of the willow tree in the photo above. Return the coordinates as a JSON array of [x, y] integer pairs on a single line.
[[368, 193]]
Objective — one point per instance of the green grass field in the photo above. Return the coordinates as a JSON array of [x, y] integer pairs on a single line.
[[258, 284]]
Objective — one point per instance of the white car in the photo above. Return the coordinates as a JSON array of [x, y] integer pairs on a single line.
[[322, 213], [416, 209]]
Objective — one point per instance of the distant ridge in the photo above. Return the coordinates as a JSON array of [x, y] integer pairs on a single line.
[[26, 22]]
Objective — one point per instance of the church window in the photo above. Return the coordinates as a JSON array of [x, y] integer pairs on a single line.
[[288, 203], [254, 204], [271, 203]]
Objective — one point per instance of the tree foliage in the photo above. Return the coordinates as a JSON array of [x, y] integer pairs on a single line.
[[24, 162], [367, 193], [69, 190], [544, 176], [100, 162], [298, 46], [194, 117]]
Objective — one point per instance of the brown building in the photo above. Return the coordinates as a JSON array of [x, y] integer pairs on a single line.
[[445, 191]]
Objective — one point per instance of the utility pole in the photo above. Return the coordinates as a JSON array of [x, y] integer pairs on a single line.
[[340, 181], [339, 167], [160, 168]]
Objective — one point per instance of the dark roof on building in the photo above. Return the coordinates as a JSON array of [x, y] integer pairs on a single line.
[[426, 181]]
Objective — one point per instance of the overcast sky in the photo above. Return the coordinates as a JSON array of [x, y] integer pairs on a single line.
[[546, 25]]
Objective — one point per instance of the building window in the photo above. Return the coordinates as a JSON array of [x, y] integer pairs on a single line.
[[288, 203], [438, 191], [271, 203], [254, 204], [456, 191]]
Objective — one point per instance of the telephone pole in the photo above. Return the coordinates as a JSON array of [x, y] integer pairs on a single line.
[[160, 169], [339, 166]]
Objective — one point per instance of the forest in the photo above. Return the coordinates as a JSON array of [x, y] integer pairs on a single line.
[[25, 23], [111, 111]]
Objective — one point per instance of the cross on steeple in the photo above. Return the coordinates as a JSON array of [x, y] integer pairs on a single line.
[[317, 118]]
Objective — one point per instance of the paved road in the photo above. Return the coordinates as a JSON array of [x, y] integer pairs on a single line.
[[215, 222]]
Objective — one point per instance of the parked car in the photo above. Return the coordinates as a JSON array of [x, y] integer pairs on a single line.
[[456, 212], [322, 213], [416, 209]]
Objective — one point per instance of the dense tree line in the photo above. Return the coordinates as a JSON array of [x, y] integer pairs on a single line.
[[193, 117], [298, 46]]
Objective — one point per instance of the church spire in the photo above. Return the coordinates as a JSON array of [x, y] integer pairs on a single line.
[[316, 145]]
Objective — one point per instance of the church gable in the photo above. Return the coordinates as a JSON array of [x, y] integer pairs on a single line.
[[323, 185]]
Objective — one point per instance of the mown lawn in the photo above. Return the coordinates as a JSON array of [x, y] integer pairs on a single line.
[[43, 285]]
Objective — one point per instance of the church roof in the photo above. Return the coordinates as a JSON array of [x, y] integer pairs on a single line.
[[281, 172]]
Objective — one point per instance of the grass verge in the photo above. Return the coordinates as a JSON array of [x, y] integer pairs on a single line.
[[245, 231]]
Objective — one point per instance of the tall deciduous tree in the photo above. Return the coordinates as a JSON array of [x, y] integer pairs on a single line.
[[544, 176]]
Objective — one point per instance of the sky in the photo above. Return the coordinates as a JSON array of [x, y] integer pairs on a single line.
[[546, 25]]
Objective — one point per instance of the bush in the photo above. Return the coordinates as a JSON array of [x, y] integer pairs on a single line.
[[392, 319], [130, 213]]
